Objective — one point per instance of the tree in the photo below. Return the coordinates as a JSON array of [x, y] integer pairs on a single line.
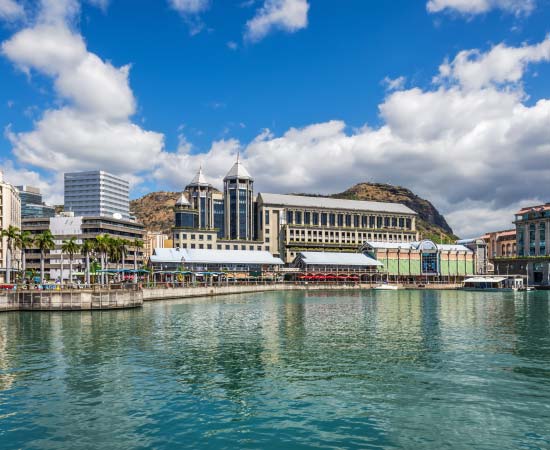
[[88, 246], [44, 241], [24, 242], [137, 244], [11, 234], [71, 247], [103, 244]]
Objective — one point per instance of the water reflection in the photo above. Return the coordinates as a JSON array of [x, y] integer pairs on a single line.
[[403, 369]]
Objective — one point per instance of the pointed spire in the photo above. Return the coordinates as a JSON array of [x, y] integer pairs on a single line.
[[182, 201], [199, 179], [238, 170]]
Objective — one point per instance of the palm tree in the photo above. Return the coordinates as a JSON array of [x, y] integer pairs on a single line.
[[11, 233], [71, 247], [137, 244], [88, 246], [44, 241], [103, 244], [24, 242]]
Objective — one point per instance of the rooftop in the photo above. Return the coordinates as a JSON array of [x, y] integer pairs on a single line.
[[238, 171], [333, 203], [416, 246], [337, 259], [203, 256], [199, 179], [538, 208]]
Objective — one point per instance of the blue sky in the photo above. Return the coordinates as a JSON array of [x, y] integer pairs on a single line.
[[316, 95]]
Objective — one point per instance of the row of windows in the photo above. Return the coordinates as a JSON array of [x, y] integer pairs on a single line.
[[345, 220], [224, 246], [347, 239]]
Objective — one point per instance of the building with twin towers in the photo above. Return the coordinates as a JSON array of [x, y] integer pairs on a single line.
[[284, 225]]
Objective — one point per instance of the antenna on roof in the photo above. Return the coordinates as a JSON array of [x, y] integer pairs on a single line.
[[238, 155]]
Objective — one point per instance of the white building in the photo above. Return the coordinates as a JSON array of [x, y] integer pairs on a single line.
[[10, 214], [97, 193]]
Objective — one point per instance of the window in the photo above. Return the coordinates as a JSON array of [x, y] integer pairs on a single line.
[[228, 247], [298, 217], [394, 222], [290, 217], [267, 218], [401, 222], [379, 222], [315, 218], [209, 237], [324, 219], [307, 218], [340, 220], [209, 246], [348, 220], [386, 221], [201, 245], [356, 221], [219, 247], [235, 247], [184, 236], [251, 247], [201, 237], [192, 245], [332, 219], [192, 237], [267, 239]]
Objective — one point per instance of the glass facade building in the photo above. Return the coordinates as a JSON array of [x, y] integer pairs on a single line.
[[97, 193], [32, 204]]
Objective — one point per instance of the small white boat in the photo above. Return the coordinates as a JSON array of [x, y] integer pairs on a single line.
[[386, 287]]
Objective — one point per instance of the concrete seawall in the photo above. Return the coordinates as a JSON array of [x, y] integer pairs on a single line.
[[70, 300], [151, 294]]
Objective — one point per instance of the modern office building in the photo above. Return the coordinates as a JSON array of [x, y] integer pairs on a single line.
[[284, 225], [97, 193], [238, 190], [32, 204], [10, 214], [66, 226], [422, 260]]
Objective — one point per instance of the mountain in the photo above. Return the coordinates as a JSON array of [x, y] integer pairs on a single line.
[[155, 209], [430, 223]]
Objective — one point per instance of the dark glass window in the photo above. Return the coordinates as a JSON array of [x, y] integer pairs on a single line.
[[289, 217], [298, 217], [323, 218], [332, 219], [267, 218], [315, 218], [307, 218]]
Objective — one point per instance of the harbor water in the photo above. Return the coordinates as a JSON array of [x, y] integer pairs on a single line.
[[361, 369]]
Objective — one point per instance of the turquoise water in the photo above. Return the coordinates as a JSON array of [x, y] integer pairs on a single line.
[[401, 369]]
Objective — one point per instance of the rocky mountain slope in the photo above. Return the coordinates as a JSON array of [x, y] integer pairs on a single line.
[[155, 209]]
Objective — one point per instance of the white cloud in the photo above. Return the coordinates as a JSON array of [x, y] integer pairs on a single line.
[[287, 15], [189, 6], [92, 128], [393, 84], [189, 11], [11, 10], [501, 65], [471, 7], [474, 149]]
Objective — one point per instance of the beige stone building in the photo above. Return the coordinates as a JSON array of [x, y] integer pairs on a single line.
[[289, 224], [155, 239], [10, 214]]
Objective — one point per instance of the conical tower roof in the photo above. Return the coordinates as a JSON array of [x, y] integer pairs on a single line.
[[182, 201], [238, 171], [199, 179]]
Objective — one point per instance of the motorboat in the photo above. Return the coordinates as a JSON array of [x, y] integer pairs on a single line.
[[386, 287]]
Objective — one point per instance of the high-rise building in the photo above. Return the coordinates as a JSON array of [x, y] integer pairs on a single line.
[[32, 204], [97, 193], [238, 189], [10, 214]]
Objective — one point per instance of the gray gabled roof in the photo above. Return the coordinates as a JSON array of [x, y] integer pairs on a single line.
[[205, 256], [337, 259], [333, 203]]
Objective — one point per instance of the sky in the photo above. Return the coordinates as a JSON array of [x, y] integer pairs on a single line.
[[449, 98]]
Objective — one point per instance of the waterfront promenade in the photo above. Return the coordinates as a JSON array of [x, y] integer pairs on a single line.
[[134, 296]]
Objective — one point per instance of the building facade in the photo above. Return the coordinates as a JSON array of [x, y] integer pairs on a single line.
[[155, 239], [10, 215], [284, 225], [97, 193], [32, 204], [291, 224], [533, 231], [500, 244], [424, 259], [82, 228]]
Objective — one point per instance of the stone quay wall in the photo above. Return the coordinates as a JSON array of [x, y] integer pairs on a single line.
[[73, 300]]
